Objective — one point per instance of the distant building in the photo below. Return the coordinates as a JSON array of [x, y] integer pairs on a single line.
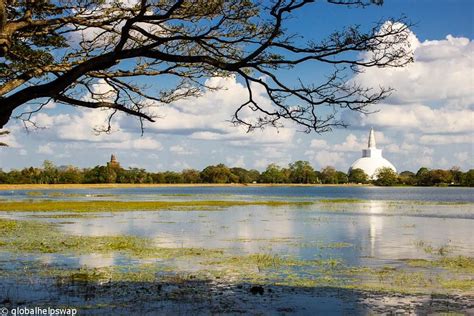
[[372, 159], [113, 162]]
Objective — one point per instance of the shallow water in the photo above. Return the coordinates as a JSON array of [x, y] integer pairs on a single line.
[[445, 194], [383, 228], [367, 232]]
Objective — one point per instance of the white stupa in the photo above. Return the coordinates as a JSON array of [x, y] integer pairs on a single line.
[[371, 159]]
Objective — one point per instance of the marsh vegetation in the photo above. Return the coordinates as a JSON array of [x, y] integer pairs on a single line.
[[188, 254]]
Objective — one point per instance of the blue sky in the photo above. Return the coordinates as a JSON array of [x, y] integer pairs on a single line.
[[428, 121]]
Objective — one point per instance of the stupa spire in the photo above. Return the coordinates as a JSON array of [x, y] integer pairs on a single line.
[[372, 159], [372, 143]]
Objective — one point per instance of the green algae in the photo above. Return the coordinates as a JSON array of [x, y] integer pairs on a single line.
[[66, 215], [293, 242], [115, 206], [38, 237], [22, 236], [457, 263], [460, 285], [329, 201]]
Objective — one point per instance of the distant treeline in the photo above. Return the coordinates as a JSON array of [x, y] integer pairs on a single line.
[[297, 172]]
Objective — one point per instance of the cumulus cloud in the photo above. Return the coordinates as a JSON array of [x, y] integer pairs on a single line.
[[422, 118], [318, 143], [432, 94], [10, 140], [139, 143], [462, 156], [432, 104], [352, 143], [430, 110], [441, 70], [326, 158], [180, 150], [267, 155], [207, 117], [438, 139], [46, 149], [238, 161]]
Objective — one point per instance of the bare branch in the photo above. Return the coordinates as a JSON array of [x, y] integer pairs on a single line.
[[60, 50]]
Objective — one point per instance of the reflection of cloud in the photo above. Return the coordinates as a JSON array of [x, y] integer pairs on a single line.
[[394, 237], [95, 260], [47, 258]]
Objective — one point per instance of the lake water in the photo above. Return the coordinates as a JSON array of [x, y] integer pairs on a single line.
[[384, 226], [445, 194]]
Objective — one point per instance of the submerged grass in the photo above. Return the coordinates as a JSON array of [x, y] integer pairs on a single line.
[[33, 237], [268, 269], [70, 215], [328, 201], [457, 264], [37, 237], [460, 285], [115, 206]]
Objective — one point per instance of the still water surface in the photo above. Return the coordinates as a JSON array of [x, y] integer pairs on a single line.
[[388, 225], [445, 194]]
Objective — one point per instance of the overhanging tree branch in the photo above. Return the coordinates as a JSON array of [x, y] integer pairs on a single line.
[[60, 50]]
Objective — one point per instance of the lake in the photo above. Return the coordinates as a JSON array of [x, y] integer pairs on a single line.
[[271, 250]]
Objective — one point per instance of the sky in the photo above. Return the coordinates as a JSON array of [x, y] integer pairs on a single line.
[[427, 121]]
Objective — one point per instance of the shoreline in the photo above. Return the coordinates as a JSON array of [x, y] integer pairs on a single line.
[[4, 187]]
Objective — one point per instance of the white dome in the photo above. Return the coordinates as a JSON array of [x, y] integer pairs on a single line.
[[371, 164], [372, 159]]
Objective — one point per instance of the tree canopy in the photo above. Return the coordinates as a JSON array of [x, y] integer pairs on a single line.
[[299, 172], [58, 50]]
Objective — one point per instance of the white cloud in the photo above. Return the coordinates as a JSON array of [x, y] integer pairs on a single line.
[[432, 95], [10, 140], [238, 161], [139, 143], [180, 165], [267, 155], [207, 117], [438, 139], [350, 144], [462, 156], [423, 118], [441, 70], [318, 143], [431, 109], [424, 160], [432, 105], [46, 149], [180, 150], [325, 158]]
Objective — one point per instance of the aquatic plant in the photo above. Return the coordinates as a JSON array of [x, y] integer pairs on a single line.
[[116, 206]]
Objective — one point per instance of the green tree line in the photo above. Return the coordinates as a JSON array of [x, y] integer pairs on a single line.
[[298, 172]]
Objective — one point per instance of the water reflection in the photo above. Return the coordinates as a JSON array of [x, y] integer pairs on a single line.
[[96, 260], [377, 231], [453, 194], [375, 223]]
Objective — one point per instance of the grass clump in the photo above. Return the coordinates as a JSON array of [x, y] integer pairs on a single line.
[[463, 285], [429, 249], [457, 264]]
